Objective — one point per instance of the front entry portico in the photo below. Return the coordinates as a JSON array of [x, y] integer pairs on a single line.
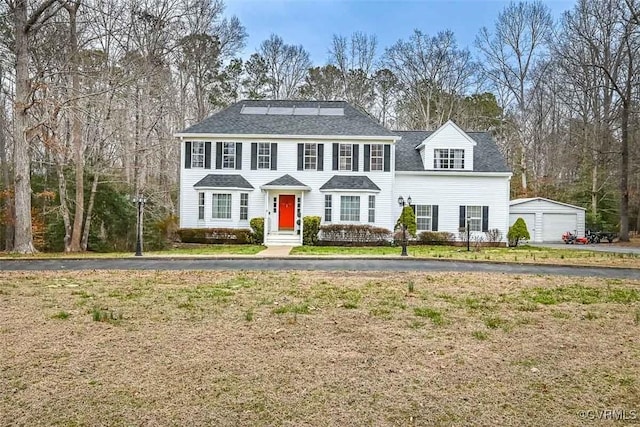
[[284, 207]]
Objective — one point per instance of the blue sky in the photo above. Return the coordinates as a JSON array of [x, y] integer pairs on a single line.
[[312, 23]]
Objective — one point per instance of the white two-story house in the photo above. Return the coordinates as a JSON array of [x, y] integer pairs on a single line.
[[284, 160]]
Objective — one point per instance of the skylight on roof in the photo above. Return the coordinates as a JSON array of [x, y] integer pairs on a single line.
[[292, 111]]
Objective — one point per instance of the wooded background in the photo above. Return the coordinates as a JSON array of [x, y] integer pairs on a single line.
[[93, 90]]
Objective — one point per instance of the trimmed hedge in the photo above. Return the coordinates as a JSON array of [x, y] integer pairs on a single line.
[[436, 238], [227, 236], [311, 228], [257, 225], [354, 235]]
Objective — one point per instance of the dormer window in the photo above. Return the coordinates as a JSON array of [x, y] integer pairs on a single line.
[[446, 158]]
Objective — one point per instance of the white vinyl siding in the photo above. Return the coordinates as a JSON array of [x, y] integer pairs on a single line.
[[350, 208], [377, 157], [221, 206], [451, 192], [345, 157], [229, 155], [200, 205], [264, 155], [310, 156], [197, 154], [424, 217]]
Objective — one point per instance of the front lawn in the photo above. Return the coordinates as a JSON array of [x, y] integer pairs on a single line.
[[315, 348], [522, 254], [196, 250]]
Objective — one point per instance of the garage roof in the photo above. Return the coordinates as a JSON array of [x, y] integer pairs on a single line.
[[531, 199]]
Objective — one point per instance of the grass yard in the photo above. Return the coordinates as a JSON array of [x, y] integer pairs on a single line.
[[521, 254], [191, 250], [315, 348]]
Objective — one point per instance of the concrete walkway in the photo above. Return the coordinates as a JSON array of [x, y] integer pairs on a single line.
[[275, 252]]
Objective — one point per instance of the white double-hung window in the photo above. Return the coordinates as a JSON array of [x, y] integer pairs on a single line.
[[197, 154], [448, 158]]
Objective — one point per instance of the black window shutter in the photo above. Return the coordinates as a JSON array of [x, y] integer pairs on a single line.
[[218, 155], [238, 155], [254, 156], [355, 159], [320, 153], [300, 157], [187, 155], [335, 156], [387, 158], [367, 158], [434, 218], [485, 218], [274, 156], [463, 219], [207, 155]]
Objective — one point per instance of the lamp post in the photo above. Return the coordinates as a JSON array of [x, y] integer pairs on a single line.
[[139, 200], [402, 204]]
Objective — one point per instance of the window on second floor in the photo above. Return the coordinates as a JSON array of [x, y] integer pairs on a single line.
[[229, 155], [377, 157], [446, 158], [310, 156], [197, 154], [345, 158], [264, 155]]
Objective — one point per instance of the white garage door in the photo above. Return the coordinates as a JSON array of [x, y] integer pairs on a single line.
[[554, 224], [529, 219]]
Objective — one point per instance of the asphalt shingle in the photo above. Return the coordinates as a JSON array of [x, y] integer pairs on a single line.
[[223, 181], [231, 121], [349, 182], [285, 181], [486, 155]]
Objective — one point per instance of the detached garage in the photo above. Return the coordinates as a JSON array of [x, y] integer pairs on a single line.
[[547, 219]]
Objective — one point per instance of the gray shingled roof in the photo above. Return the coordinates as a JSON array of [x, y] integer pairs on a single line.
[[348, 182], [223, 181], [486, 155], [230, 121], [285, 181]]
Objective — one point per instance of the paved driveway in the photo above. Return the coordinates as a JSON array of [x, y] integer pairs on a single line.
[[344, 264], [599, 247]]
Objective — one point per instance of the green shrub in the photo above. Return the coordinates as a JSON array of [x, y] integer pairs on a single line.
[[408, 218], [436, 238], [216, 235], [257, 227], [517, 232], [311, 228], [353, 235]]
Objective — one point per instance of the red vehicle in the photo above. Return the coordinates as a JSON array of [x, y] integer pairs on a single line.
[[570, 239]]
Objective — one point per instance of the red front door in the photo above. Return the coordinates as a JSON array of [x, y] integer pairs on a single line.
[[287, 209]]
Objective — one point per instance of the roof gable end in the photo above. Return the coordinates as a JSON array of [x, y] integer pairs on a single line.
[[448, 126]]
